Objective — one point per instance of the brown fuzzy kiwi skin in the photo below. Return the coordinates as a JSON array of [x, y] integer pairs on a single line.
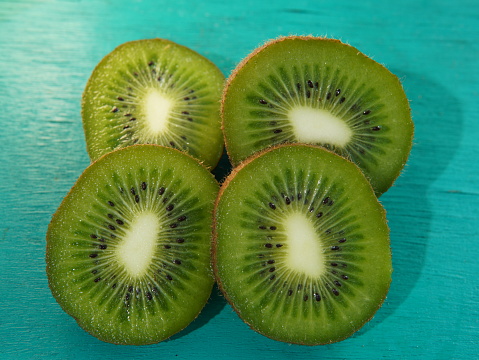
[[214, 261], [48, 244], [266, 44]]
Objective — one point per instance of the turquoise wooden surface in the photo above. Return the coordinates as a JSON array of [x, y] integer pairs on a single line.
[[47, 52]]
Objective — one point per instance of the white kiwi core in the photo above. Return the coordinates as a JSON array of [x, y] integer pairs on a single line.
[[157, 110], [137, 249], [304, 251], [319, 126]]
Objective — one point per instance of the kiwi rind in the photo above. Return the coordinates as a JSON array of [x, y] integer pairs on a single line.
[[63, 237], [380, 277], [381, 167], [112, 117]]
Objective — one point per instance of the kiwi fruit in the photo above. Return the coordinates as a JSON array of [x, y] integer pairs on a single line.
[[154, 91], [129, 249], [301, 245], [319, 91]]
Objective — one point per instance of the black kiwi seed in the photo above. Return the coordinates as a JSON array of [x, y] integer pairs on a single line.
[[161, 191], [143, 185], [272, 206], [111, 203], [327, 201], [170, 207]]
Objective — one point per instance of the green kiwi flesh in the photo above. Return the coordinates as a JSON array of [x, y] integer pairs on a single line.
[[319, 91], [301, 245], [154, 91], [129, 248]]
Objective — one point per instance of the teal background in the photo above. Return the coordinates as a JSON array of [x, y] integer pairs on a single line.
[[47, 52]]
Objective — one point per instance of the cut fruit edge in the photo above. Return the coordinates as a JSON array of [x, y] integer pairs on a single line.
[[216, 271], [230, 79]]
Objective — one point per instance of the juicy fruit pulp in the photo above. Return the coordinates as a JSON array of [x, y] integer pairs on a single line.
[[154, 91], [301, 245], [319, 91], [128, 250]]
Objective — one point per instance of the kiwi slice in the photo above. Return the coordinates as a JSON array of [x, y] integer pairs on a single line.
[[154, 91], [129, 249], [319, 91], [301, 245]]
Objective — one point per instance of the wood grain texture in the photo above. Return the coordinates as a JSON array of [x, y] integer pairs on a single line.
[[48, 50]]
